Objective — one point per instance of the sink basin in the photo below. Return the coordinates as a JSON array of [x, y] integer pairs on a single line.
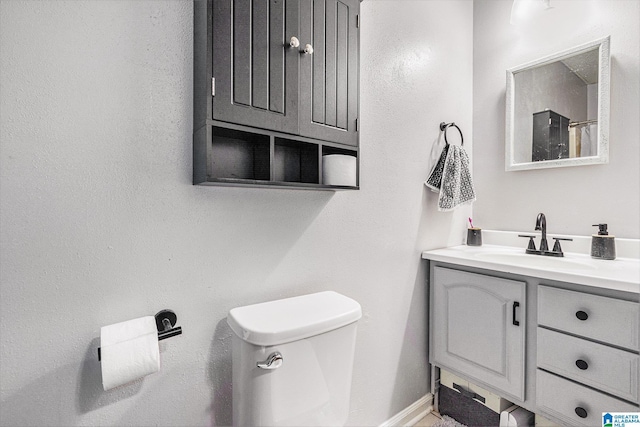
[[539, 261], [621, 274]]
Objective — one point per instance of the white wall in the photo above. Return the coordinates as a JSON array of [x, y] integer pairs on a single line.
[[572, 198], [99, 222]]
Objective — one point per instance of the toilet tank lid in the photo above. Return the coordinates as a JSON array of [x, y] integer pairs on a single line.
[[292, 319]]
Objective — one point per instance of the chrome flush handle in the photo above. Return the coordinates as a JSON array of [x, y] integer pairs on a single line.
[[274, 361]]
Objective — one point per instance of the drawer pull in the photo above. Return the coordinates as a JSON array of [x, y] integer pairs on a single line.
[[582, 315], [516, 304], [581, 412], [582, 364]]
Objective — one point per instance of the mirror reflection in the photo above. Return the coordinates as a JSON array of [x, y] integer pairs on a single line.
[[556, 107], [553, 107]]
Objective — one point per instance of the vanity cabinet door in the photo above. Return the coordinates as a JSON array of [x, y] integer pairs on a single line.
[[254, 66], [478, 328]]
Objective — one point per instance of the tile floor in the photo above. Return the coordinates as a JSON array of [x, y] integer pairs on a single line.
[[429, 420]]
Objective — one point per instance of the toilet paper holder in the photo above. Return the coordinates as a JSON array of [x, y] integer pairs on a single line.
[[165, 322]]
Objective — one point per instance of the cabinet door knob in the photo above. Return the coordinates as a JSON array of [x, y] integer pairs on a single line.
[[582, 364], [308, 49], [582, 315], [294, 42], [581, 412]]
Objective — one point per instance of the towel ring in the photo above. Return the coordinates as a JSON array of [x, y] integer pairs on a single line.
[[444, 126]]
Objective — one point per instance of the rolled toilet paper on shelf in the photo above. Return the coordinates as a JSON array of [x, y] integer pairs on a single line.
[[339, 169], [129, 350]]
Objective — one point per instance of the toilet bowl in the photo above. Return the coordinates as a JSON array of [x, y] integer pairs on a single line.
[[293, 360]]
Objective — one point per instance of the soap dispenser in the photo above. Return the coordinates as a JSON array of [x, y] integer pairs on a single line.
[[603, 245]]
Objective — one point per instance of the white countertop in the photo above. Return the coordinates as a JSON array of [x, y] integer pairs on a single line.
[[622, 274]]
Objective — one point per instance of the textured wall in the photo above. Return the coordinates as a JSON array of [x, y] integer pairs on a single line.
[[99, 222], [572, 198]]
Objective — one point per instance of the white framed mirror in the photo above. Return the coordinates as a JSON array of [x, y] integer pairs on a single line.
[[557, 109]]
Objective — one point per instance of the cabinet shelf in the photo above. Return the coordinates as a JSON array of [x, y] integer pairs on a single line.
[[239, 155], [227, 154], [295, 161], [230, 182]]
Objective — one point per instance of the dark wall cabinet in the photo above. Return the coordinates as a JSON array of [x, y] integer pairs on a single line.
[[276, 88], [550, 136]]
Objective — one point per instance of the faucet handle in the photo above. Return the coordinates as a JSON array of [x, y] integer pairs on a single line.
[[532, 244], [556, 246]]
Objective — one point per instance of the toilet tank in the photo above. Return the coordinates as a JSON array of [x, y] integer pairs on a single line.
[[315, 335]]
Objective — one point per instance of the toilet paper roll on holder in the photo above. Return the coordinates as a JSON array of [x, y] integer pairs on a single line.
[[165, 322]]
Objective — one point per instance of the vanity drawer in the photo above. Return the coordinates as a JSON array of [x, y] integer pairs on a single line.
[[561, 399], [604, 319], [605, 368]]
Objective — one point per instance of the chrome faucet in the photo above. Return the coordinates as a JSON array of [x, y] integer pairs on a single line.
[[541, 225]]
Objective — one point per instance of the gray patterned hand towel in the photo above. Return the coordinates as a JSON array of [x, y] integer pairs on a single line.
[[457, 187], [435, 177]]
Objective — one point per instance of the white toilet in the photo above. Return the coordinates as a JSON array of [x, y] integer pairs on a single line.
[[293, 359]]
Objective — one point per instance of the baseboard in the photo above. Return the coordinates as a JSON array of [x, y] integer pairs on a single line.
[[412, 413]]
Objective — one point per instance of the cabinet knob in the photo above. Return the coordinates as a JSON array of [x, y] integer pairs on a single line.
[[308, 49], [294, 42], [582, 315], [581, 412], [582, 364]]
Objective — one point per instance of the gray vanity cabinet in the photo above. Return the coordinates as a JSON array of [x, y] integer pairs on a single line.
[[478, 328], [567, 351]]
